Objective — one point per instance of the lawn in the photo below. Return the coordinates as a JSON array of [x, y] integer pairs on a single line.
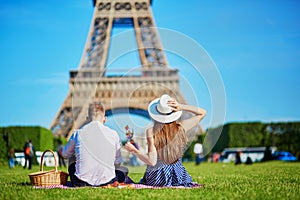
[[271, 180]]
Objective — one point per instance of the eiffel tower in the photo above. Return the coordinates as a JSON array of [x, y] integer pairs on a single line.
[[130, 92]]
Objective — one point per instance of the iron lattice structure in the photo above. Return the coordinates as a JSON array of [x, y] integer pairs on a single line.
[[91, 82]]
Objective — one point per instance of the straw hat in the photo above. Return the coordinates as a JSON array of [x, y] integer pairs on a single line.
[[160, 111]]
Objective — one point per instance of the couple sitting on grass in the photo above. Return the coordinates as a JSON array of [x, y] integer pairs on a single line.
[[97, 147]]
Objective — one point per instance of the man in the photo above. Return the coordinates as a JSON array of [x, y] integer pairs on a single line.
[[97, 152], [198, 150], [29, 154]]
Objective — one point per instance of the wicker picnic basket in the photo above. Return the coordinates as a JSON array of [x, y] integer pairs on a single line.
[[51, 177]]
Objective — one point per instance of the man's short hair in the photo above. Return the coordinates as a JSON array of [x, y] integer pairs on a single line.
[[96, 108]]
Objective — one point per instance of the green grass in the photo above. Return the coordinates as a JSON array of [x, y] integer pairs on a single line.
[[272, 180]]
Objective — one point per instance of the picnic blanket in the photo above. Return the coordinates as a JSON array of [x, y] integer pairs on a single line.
[[128, 184], [68, 185]]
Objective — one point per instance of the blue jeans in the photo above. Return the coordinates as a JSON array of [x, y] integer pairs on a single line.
[[198, 159], [11, 163]]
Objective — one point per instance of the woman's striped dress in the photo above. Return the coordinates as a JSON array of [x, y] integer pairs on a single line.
[[163, 174]]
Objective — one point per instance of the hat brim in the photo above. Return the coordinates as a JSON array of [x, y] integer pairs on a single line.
[[155, 115]]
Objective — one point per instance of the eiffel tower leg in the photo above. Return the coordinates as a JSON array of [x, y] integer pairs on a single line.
[[63, 122]]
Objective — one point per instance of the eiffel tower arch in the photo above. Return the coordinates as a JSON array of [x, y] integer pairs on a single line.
[[135, 88]]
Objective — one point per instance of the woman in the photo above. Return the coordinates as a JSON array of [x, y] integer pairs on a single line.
[[11, 158], [166, 142]]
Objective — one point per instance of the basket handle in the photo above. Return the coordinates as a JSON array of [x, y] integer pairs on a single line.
[[42, 159]]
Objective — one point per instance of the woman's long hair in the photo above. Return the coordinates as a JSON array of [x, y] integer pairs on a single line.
[[169, 140]]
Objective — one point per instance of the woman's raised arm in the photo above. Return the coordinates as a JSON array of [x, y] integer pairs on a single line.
[[189, 123]]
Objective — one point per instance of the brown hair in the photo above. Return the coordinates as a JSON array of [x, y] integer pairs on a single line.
[[96, 108], [169, 140]]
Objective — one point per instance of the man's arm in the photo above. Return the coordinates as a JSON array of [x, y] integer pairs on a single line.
[[118, 159], [69, 150], [118, 153]]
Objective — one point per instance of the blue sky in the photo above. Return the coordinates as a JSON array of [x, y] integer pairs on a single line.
[[255, 45]]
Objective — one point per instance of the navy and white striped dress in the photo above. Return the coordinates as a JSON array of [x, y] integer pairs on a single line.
[[163, 174]]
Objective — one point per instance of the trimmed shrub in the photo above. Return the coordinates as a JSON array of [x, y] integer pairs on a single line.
[[16, 137]]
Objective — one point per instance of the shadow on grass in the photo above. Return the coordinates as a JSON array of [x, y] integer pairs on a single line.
[[23, 184]]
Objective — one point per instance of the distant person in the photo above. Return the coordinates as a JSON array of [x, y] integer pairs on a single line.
[[29, 154], [11, 158], [61, 160], [210, 158], [198, 151], [248, 161], [216, 157], [238, 158], [267, 154], [298, 155], [166, 142], [97, 152]]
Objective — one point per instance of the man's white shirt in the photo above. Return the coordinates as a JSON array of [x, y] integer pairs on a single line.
[[97, 149], [198, 149]]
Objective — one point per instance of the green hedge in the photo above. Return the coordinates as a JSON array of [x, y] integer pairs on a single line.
[[284, 135], [3, 146], [16, 136]]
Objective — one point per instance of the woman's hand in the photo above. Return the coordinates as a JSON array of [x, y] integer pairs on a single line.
[[174, 105], [131, 148]]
